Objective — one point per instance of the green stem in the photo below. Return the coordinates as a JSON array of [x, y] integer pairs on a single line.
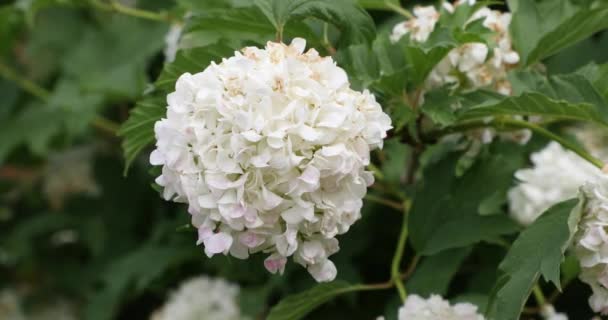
[[43, 94], [399, 9], [395, 275], [118, 7], [513, 123], [538, 294], [389, 203]]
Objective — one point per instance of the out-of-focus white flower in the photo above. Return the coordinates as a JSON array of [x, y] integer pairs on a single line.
[[10, 306], [436, 308], [594, 139], [548, 312], [269, 150], [419, 28], [556, 176], [471, 65], [202, 298], [591, 242], [172, 41], [67, 173]]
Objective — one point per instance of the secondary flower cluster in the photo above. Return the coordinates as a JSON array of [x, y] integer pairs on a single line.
[[591, 243], [435, 307], [556, 176], [472, 65], [269, 149], [548, 313], [202, 298]]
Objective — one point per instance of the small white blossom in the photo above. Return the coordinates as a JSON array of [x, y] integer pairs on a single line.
[[436, 308], [591, 243], [202, 298], [548, 312], [472, 65], [269, 149], [419, 28], [556, 176]]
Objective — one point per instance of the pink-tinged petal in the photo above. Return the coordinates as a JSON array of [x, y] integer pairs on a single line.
[[217, 243], [203, 234], [275, 263], [250, 239]]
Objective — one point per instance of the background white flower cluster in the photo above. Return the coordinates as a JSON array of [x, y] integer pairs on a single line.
[[435, 308], [472, 65], [591, 243], [556, 175], [269, 149], [202, 298]]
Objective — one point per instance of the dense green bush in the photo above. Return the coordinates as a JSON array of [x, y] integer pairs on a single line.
[[498, 117]]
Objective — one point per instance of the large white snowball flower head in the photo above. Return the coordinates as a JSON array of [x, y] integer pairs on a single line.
[[556, 175], [202, 298], [472, 65], [436, 308], [269, 149], [591, 242]]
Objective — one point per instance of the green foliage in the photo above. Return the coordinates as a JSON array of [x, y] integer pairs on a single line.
[[542, 28], [71, 71], [139, 129], [434, 274], [354, 23], [297, 306], [569, 96], [539, 250], [446, 210]]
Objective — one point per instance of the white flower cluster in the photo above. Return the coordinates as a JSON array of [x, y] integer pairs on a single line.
[[202, 298], [548, 312], [556, 176], [472, 65], [12, 302], [269, 150], [68, 173], [591, 243], [435, 308]]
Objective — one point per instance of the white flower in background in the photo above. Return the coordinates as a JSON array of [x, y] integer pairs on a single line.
[[594, 139], [591, 243], [56, 309], [472, 65], [10, 306], [67, 173], [172, 41], [419, 28], [548, 312], [436, 308], [556, 175], [202, 298], [269, 149]]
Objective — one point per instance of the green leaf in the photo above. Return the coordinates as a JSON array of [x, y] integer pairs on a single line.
[[434, 274], [598, 76], [538, 250], [446, 209], [378, 4], [354, 23], [438, 105], [297, 306], [193, 61], [135, 271], [569, 96], [542, 28], [138, 130], [119, 73]]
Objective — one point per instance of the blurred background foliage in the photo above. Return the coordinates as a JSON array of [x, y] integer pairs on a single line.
[[73, 227]]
